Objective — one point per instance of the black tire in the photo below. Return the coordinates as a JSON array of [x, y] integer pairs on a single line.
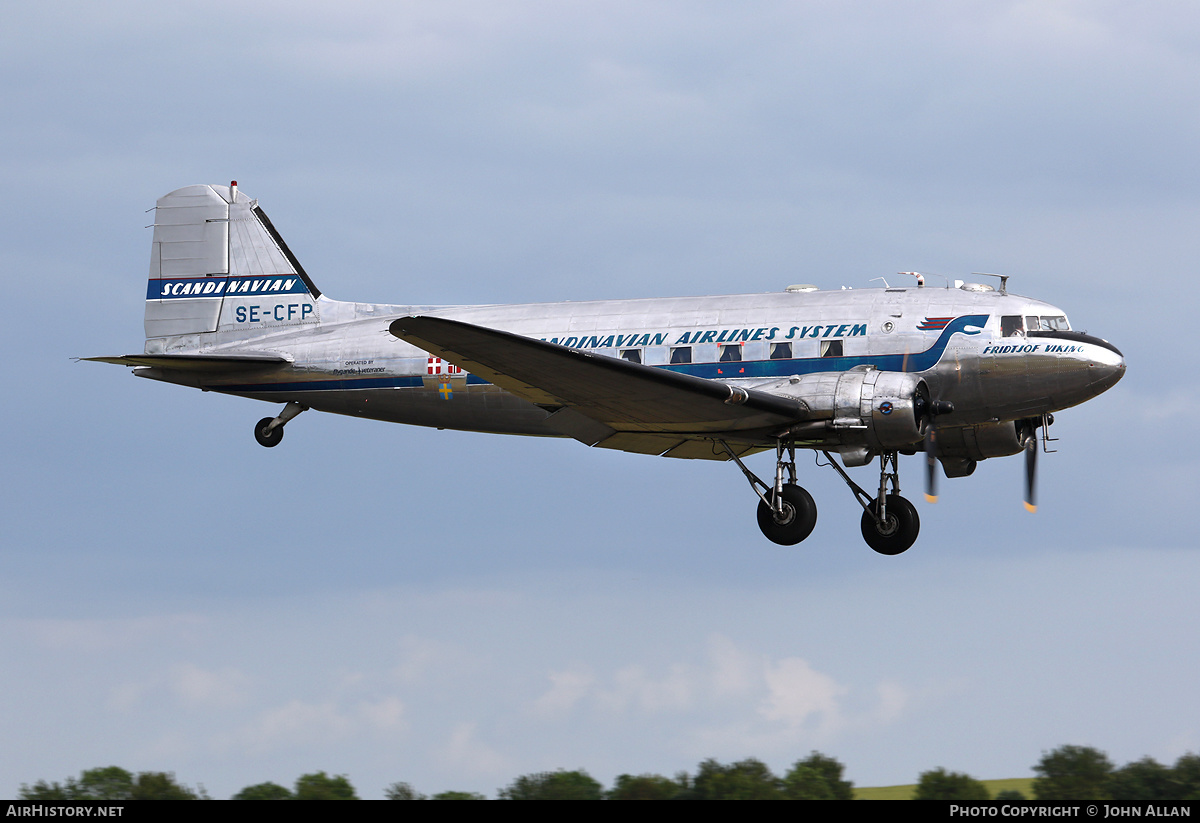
[[800, 516], [267, 438], [901, 530]]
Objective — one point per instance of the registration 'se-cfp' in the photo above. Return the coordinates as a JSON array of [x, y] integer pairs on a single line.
[[961, 373]]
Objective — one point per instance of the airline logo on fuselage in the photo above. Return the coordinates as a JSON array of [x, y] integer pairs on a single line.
[[202, 287], [934, 323], [694, 338]]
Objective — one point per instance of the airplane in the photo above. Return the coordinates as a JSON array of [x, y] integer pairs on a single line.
[[960, 373]]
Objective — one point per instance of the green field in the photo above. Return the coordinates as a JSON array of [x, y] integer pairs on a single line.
[[1024, 785]]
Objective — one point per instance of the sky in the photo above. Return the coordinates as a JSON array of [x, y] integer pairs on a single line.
[[454, 610]]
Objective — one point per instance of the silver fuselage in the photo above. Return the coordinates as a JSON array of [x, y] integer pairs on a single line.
[[964, 344]]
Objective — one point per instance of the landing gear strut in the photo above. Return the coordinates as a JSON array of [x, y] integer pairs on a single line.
[[786, 512], [269, 431], [889, 523]]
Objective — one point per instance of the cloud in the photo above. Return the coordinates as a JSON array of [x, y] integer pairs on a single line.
[[567, 688], [789, 691], [423, 658], [463, 752], [797, 692], [186, 685], [732, 671], [629, 689], [634, 688], [298, 722], [220, 688], [383, 715], [724, 700]]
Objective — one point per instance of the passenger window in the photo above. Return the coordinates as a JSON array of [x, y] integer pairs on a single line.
[[1011, 325], [680, 355], [781, 351], [831, 348], [731, 353], [632, 355]]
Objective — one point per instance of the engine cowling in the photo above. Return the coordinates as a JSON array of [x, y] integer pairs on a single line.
[[878, 410]]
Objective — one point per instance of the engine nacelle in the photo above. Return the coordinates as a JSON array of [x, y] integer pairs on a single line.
[[981, 441], [881, 410]]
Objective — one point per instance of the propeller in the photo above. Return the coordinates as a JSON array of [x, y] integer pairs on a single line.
[[933, 408], [1032, 447]]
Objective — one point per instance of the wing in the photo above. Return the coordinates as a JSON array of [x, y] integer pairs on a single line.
[[605, 401]]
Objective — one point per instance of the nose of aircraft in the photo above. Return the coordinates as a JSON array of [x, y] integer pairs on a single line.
[[1082, 366], [1106, 366]]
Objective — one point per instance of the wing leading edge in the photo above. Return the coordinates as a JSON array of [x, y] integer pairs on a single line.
[[605, 401]]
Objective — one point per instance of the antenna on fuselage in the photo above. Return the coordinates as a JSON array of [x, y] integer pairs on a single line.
[[922, 275], [885, 282], [1003, 279]]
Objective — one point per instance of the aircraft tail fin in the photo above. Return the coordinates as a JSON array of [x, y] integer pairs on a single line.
[[217, 263]]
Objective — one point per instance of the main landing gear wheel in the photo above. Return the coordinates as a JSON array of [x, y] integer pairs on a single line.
[[267, 437], [899, 529], [790, 519], [796, 521]]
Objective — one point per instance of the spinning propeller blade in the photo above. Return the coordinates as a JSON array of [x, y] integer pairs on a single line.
[[1031, 450], [932, 408], [931, 464]]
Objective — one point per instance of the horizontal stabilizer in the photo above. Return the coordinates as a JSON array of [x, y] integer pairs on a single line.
[[623, 396], [197, 362]]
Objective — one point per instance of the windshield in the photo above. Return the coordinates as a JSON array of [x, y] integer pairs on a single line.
[[1013, 325]]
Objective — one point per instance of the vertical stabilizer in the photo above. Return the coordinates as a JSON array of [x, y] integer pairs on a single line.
[[217, 263]]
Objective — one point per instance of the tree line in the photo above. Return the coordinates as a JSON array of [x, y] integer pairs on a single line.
[[1066, 773]]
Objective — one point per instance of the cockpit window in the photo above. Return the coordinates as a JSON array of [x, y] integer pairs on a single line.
[[1014, 326]]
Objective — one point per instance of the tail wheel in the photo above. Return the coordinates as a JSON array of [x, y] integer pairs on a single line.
[[795, 522], [898, 531], [267, 437]]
